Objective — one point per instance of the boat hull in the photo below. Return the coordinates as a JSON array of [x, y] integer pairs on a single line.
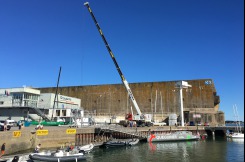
[[120, 143], [133, 142], [177, 136], [48, 123], [49, 158], [114, 144], [236, 135], [86, 148]]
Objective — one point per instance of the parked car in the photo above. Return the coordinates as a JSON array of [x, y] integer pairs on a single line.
[[2, 125], [12, 123], [159, 124], [192, 123], [206, 124]]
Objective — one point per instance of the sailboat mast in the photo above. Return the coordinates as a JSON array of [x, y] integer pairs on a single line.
[[238, 121], [234, 110], [57, 86]]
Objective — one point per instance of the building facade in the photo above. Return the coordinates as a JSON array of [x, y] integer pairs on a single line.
[[200, 101], [19, 97], [27, 102], [59, 107]]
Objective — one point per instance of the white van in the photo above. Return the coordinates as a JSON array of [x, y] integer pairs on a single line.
[[12, 123], [2, 125], [159, 124]]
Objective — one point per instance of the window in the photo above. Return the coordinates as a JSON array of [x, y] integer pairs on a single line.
[[57, 112], [63, 112]]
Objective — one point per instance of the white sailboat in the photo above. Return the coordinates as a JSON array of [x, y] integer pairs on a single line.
[[238, 134]]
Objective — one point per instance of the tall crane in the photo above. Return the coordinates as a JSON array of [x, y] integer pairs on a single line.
[[139, 115]]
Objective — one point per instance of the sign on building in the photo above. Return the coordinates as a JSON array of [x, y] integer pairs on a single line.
[[196, 115]]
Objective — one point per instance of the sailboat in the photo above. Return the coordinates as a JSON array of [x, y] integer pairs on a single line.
[[238, 134]]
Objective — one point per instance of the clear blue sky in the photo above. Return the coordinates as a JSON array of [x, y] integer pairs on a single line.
[[157, 40]]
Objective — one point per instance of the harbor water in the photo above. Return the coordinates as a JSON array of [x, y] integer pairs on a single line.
[[219, 149], [209, 150]]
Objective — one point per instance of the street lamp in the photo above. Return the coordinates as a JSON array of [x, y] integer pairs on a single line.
[[181, 85]]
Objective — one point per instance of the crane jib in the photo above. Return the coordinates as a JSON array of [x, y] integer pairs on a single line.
[[114, 60], [107, 45]]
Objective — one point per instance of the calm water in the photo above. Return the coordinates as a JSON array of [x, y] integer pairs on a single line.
[[209, 150]]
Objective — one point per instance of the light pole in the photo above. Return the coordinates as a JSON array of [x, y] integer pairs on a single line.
[[181, 85], [173, 96], [155, 107]]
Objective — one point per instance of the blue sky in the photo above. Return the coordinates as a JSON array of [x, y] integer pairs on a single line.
[[158, 40]]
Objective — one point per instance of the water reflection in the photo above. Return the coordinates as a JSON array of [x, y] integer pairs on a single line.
[[164, 146], [218, 150], [235, 151], [237, 140], [182, 149]]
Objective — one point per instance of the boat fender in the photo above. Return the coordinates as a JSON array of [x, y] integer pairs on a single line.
[[15, 159]]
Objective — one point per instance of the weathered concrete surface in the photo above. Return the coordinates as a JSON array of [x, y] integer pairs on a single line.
[[57, 136], [112, 100], [14, 144], [28, 139]]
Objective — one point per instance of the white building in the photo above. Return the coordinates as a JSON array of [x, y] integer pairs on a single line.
[[24, 98], [61, 107], [46, 101], [19, 97]]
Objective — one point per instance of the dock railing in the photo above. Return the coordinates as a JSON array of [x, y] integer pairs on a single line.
[[133, 131]]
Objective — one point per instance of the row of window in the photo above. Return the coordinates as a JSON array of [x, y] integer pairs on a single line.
[[26, 96]]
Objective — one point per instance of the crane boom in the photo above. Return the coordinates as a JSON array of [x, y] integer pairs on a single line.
[[115, 62]]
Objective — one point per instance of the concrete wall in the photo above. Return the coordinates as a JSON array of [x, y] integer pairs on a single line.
[[109, 100], [15, 144], [56, 137]]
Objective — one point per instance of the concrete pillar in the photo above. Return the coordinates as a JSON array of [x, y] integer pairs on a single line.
[[82, 139], [86, 135], [92, 137]]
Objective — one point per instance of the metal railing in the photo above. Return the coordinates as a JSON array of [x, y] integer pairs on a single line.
[[124, 130]]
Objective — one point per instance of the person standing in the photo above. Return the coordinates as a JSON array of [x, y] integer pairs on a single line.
[[37, 148], [2, 150], [20, 125], [5, 125]]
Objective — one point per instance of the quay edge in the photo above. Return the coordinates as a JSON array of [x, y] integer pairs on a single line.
[[57, 136]]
